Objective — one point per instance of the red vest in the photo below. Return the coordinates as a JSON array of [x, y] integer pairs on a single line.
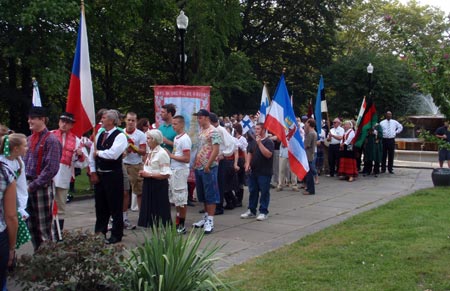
[[68, 148]]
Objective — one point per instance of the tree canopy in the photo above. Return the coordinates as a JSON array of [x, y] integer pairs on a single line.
[[231, 45]]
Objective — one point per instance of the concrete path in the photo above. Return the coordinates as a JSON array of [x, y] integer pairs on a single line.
[[292, 215]]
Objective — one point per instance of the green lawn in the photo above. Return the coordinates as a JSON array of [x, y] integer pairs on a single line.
[[82, 185], [403, 245]]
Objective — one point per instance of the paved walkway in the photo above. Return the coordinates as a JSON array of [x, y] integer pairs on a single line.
[[292, 215]]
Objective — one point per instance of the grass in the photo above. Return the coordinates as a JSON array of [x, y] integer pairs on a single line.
[[82, 185], [403, 245]]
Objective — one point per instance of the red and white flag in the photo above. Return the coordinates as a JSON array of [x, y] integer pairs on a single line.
[[281, 122], [80, 100]]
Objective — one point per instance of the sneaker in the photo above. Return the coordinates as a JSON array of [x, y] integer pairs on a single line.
[[109, 226], [248, 214], [181, 229], [208, 226], [262, 217], [127, 225], [201, 222]]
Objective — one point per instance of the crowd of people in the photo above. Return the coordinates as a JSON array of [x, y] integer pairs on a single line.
[[161, 168]]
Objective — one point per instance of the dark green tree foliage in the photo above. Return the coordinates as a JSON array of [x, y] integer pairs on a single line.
[[348, 83], [298, 35], [35, 40]]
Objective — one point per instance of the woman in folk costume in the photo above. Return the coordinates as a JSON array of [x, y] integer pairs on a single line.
[[347, 162], [155, 207]]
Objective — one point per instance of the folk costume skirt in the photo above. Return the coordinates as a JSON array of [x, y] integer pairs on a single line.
[[155, 206]]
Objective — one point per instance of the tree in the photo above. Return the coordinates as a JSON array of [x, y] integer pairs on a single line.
[[347, 84]]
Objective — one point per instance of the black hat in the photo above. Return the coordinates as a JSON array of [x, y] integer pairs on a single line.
[[202, 112], [67, 116], [37, 112], [213, 117]]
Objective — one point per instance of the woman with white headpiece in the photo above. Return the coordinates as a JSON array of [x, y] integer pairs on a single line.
[[155, 206], [347, 162]]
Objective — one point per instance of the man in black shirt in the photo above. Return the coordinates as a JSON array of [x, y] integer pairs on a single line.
[[443, 132], [259, 165]]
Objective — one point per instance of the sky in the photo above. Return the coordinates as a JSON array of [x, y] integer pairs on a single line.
[[442, 4]]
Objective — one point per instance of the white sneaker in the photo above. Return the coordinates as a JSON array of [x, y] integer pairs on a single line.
[[262, 217], [209, 226], [201, 222], [248, 214], [127, 225]]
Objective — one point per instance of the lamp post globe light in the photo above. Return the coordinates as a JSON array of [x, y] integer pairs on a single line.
[[370, 72], [182, 24]]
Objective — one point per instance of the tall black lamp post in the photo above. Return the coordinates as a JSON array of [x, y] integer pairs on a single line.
[[370, 72], [182, 24]]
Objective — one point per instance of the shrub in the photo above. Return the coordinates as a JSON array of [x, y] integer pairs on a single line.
[[169, 261], [82, 261]]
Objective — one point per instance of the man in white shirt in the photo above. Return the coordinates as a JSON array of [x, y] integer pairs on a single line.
[[105, 163], [334, 137], [390, 128], [133, 163], [179, 164]]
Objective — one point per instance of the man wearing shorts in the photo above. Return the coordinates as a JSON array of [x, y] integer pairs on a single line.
[[179, 163], [133, 161], [206, 169]]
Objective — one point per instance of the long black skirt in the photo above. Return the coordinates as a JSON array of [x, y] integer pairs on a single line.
[[155, 206]]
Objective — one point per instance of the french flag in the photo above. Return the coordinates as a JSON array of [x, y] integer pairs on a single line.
[[281, 122], [80, 100]]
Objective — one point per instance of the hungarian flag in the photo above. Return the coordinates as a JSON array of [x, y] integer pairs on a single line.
[[80, 99], [367, 118], [281, 122], [310, 109], [265, 105], [321, 105]]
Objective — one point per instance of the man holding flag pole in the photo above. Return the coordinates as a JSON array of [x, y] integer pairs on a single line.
[[281, 122]]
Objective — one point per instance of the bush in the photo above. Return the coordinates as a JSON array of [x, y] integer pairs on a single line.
[[169, 261], [81, 262]]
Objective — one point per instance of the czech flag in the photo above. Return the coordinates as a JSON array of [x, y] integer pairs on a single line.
[[80, 100], [281, 122]]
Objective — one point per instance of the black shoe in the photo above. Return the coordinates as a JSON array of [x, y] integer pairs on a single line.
[[383, 171], [69, 198], [238, 204], [229, 206], [201, 211], [391, 172], [218, 212], [112, 240], [190, 203]]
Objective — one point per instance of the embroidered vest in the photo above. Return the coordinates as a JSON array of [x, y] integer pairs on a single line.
[[68, 148]]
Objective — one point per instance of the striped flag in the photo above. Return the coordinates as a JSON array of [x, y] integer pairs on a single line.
[[265, 105], [36, 95], [281, 121], [367, 118], [321, 105], [80, 100]]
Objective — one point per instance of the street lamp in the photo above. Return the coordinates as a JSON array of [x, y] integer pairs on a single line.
[[370, 72], [182, 24]]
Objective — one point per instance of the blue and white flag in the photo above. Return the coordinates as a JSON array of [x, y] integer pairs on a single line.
[[36, 96], [265, 105], [281, 122], [247, 124]]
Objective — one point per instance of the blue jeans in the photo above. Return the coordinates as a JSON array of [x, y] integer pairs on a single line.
[[309, 179], [207, 186], [259, 184]]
